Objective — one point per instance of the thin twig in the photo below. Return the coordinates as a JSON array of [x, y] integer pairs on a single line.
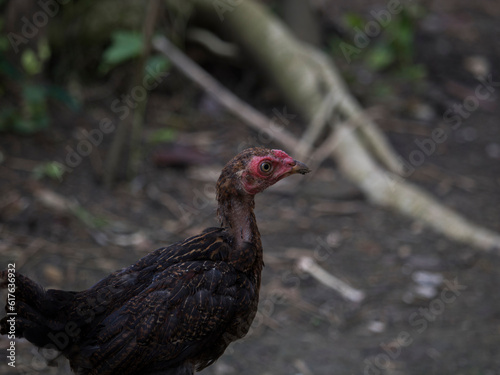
[[317, 124], [309, 265], [302, 366]]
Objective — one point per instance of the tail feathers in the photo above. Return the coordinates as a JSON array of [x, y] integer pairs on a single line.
[[37, 334], [25, 288], [40, 315]]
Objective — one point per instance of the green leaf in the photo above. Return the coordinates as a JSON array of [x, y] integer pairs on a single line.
[[157, 63], [380, 57], [162, 135], [354, 20], [334, 46], [382, 90], [52, 169], [125, 45], [413, 72], [87, 218], [30, 62], [33, 115], [43, 49], [28, 126], [4, 44]]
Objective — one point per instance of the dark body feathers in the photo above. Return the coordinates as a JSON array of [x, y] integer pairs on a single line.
[[175, 310], [175, 302]]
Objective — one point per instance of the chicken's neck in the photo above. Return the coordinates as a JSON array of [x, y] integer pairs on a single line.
[[236, 215]]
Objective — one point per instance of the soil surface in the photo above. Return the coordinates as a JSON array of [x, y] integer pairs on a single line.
[[431, 304]]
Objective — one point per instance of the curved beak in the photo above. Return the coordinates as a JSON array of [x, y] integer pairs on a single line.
[[300, 168]]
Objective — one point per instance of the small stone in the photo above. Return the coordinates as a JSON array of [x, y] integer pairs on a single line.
[[425, 291], [479, 66], [333, 239], [53, 274], [422, 111], [408, 297], [222, 368], [493, 150], [376, 326], [427, 278], [434, 354]]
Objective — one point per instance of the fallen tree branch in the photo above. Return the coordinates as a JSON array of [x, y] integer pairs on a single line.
[[356, 143], [387, 189], [350, 110], [302, 73], [317, 125]]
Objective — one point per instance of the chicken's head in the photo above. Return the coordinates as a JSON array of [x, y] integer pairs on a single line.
[[255, 169]]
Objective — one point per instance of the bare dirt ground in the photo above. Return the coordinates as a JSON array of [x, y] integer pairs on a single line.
[[431, 305]]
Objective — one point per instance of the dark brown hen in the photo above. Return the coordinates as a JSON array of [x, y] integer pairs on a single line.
[[175, 310]]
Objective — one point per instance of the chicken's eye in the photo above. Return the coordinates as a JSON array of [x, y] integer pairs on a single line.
[[266, 167]]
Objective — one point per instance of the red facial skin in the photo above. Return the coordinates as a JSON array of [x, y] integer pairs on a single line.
[[254, 179]]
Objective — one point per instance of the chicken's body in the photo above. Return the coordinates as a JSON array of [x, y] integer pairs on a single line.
[[175, 310]]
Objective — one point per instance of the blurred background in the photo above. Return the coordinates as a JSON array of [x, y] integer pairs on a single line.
[[107, 151]]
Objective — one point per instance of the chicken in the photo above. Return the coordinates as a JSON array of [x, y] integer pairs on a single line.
[[177, 309]]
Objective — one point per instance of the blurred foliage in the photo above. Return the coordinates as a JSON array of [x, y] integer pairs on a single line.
[[87, 218], [392, 50], [127, 45], [104, 43], [395, 48], [162, 136], [32, 62], [24, 101], [52, 169], [156, 65]]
